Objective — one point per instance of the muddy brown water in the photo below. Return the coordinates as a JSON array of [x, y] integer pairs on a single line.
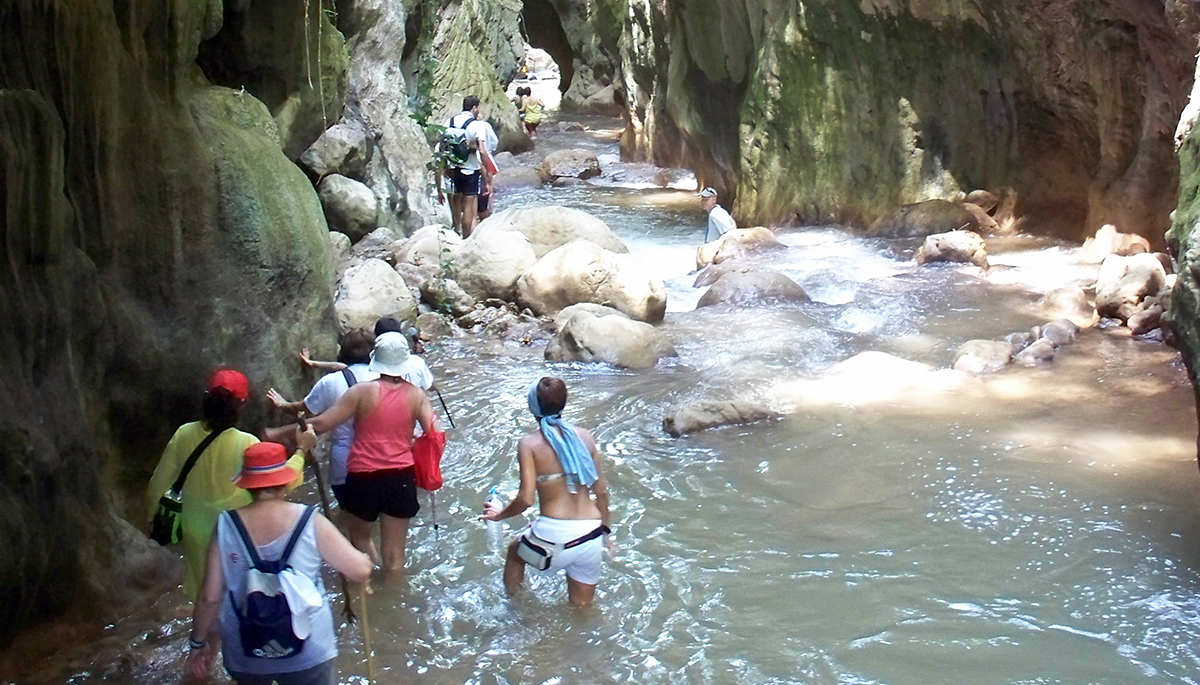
[[1035, 527]]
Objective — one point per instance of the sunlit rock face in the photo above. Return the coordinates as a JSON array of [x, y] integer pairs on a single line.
[[154, 228], [842, 109]]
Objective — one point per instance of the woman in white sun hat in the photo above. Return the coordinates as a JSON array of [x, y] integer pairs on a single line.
[[380, 483]]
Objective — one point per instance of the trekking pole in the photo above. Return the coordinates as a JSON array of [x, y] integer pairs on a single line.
[[366, 632], [348, 608], [444, 407]]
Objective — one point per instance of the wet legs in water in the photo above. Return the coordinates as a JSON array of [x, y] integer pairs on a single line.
[[580, 594]]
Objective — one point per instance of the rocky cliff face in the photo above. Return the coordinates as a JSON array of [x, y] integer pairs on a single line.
[[154, 228], [840, 109]]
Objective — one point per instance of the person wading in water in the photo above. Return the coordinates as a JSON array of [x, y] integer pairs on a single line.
[[561, 465], [380, 483], [208, 490], [719, 220], [270, 529]]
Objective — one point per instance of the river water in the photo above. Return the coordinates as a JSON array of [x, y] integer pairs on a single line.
[[1034, 527]]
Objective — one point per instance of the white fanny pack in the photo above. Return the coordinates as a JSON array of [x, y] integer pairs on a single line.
[[539, 553]]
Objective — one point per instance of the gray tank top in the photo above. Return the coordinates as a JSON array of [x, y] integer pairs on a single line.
[[321, 645]]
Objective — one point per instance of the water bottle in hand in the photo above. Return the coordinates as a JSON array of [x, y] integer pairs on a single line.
[[495, 529]]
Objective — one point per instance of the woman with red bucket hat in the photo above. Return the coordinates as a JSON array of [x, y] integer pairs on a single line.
[[208, 488]]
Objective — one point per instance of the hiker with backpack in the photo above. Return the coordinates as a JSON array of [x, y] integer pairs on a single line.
[[381, 482], [561, 466], [191, 485], [460, 153], [263, 578]]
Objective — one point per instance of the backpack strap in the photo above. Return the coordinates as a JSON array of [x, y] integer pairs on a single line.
[[246, 541], [191, 460], [296, 533], [349, 376], [252, 552]]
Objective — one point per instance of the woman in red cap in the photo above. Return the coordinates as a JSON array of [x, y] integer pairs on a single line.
[[208, 489], [271, 546]]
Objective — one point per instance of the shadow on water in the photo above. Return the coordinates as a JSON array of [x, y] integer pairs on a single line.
[[1035, 526]]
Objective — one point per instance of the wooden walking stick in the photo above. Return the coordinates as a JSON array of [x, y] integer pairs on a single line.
[[366, 633], [308, 458]]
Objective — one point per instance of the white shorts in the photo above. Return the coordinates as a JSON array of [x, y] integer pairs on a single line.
[[581, 562]]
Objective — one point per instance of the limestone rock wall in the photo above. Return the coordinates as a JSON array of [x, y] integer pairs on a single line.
[[154, 228], [840, 109]]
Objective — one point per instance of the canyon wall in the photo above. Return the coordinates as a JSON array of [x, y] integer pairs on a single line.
[[155, 227], [837, 110]]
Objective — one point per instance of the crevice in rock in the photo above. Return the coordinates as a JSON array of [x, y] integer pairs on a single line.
[[544, 30]]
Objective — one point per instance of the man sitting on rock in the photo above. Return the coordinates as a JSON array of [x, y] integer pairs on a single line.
[[460, 161], [719, 220]]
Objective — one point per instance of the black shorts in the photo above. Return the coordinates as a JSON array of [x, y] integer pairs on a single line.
[[485, 201], [392, 492], [339, 492], [465, 184]]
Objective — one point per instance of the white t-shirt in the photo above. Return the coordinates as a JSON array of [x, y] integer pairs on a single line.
[[324, 395], [719, 222], [477, 130]]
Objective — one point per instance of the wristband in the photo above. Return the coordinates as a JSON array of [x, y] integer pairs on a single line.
[[606, 529], [194, 645]]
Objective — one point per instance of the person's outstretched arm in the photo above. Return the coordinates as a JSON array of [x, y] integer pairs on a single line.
[[280, 402], [527, 493], [319, 365], [337, 551]]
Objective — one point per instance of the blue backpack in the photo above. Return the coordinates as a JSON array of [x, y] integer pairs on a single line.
[[265, 618]]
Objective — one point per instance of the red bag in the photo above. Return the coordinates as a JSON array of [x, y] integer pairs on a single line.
[[427, 460]]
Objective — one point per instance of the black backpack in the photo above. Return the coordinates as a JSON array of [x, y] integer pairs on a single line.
[[265, 619], [453, 143]]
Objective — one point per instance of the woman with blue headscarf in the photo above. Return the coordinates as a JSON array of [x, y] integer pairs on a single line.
[[561, 465]]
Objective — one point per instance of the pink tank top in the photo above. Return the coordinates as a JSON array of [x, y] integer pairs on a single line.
[[383, 438]]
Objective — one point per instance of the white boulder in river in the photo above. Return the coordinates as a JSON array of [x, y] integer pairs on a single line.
[[978, 357], [548, 227], [699, 416], [582, 271], [489, 264], [611, 338], [736, 243], [369, 291], [750, 287], [955, 246], [431, 245], [1125, 281]]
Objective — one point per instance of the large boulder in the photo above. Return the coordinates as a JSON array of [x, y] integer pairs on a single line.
[[342, 149], [444, 295], [752, 287], [369, 291], [1060, 333], [339, 247], [1108, 241], [1125, 281], [516, 177], [376, 245], [561, 318], [736, 243], [1070, 303], [1146, 320], [699, 416], [549, 227], [987, 225], [350, 206], [581, 164], [982, 199], [615, 340], [978, 357], [489, 264], [431, 245], [955, 246], [922, 219], [1040, 352], [582, 271]]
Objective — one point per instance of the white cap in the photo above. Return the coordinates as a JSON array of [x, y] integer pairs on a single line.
[[708, 192]]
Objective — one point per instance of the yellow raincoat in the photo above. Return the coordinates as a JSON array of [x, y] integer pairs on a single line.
[[208, 491]]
